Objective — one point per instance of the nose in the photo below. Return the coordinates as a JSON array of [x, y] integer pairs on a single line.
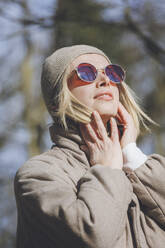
[[102, 79]]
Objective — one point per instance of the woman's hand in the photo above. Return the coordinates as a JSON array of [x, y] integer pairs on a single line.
[[129, 132], [102, 149]]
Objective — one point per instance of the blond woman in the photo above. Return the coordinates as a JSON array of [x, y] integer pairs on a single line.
[[94, 188]]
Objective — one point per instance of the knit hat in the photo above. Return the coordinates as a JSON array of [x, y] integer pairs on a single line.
[[54, 69]]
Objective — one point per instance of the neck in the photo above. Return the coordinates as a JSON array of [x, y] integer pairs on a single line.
[[105, 119]]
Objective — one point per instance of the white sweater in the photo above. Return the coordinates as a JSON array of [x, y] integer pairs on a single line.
[[133, 157]]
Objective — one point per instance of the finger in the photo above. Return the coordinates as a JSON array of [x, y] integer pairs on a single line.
[[114, 130], [118, 118], [99, 126], [88, 133], [123, 114], [85, 136], [84, 148], [84, 133]]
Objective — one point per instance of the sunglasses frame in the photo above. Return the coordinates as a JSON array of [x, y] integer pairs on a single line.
[[95, 70]]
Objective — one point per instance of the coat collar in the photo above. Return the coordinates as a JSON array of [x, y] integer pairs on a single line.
[[71, 141], [62, 137]]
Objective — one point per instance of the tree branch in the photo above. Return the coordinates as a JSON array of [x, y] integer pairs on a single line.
[[151, 46]]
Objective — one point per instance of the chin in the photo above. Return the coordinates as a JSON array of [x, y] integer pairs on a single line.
[[107, 111], [106, 115]]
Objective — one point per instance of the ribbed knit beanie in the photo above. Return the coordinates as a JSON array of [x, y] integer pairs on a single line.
[[54, 68]]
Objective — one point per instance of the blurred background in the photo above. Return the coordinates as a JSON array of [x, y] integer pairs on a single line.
[[132, 34]]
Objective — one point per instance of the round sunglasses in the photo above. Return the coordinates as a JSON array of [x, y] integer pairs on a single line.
[[88, 72]]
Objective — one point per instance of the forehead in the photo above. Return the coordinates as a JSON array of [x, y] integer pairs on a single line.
[[99, 61]]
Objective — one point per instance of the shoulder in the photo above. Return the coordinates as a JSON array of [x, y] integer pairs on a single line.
[[154, 162], [45, 166], [152, 169], [156, 158]]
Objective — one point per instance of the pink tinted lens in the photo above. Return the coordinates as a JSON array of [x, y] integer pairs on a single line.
[[115, 73], [86, 72]]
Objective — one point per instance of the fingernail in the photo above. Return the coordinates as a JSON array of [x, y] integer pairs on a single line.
[[95, 112], [92, 114]]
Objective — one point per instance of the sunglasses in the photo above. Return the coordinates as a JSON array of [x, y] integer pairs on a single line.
[[88, 73]]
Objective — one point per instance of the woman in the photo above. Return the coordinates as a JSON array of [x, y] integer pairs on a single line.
[[94, 188]]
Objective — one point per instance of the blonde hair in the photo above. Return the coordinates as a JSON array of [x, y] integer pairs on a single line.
[[70, 106]]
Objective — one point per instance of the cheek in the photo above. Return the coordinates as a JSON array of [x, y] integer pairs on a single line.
[[116, 94], [83, 94], [81, 90], [116, 99]]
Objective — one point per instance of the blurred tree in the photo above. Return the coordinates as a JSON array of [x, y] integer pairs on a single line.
[[131, 32], [32, 114]]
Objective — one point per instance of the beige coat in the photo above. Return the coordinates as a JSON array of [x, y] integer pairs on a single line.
[[64, 203]]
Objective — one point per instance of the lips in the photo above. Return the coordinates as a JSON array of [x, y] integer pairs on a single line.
[[104, 96]]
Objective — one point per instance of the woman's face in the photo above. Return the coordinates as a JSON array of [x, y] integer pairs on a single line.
[[101, 95]]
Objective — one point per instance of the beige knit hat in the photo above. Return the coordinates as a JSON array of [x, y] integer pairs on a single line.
[[54, 68]]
